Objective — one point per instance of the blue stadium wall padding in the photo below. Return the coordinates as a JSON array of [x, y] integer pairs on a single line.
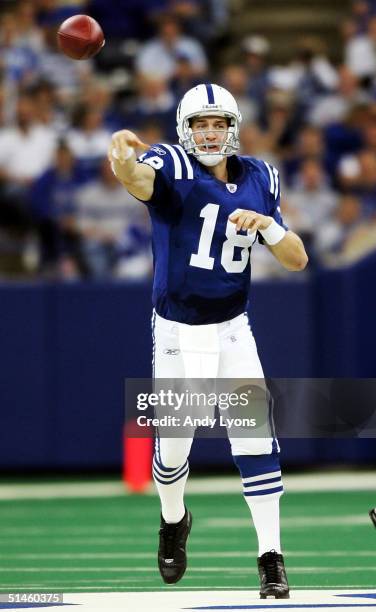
[[25, 377], [102, 336], [282, 319], [344, 321]]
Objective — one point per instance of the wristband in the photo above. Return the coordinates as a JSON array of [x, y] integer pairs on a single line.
[[273, 234], [127, 156]]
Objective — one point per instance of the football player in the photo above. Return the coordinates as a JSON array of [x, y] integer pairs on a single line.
[[208, 205]]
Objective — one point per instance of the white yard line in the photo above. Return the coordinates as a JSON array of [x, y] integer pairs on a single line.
[[71, 536], [92, 585], [192, 570], [318, 481], [61, 489], [293, 522], [192, 555]]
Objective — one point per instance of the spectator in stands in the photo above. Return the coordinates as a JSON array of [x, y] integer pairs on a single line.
[[47, 110], [335, 107], [310, 202], [158, 56], [256, 50], [18, 61], [53, 203], [309, 144], [345, 138], [234, 78], [154, 102], [315, 75], [202, 19], [360, 15], [99, 94], [185, 77], [280, 119], [104, 212], [358, 171], [2, 105], [133, 251], [152, 132], [256, 143], [29, 35], [359, 174], [126, 23], [26, 149], [359, 50], [349, 236], [88, 139]]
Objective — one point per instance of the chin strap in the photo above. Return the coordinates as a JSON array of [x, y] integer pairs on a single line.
[[210, 160]]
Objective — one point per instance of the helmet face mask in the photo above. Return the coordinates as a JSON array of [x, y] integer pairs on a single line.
[[206, 101]]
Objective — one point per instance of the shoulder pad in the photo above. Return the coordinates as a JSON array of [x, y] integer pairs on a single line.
[[269, 173], [172, 157]]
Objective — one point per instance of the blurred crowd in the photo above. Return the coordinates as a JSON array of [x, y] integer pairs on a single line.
[[63, 214]]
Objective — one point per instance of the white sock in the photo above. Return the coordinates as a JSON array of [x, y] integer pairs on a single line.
[[265, 515], [171, 493]]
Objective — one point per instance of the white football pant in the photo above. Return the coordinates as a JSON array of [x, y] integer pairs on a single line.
[[221, 350]]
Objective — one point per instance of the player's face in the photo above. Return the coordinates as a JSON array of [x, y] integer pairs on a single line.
[[209, 133]]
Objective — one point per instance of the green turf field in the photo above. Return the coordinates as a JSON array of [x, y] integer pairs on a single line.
[[109, 544]]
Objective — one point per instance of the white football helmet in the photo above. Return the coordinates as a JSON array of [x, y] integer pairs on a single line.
[[202, 101]]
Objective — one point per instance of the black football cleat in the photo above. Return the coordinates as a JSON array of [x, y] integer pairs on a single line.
[[172, 558], [372, 514], [273, 579]]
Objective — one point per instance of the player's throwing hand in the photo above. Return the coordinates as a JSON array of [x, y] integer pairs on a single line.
[[123, 144], [249, 220]]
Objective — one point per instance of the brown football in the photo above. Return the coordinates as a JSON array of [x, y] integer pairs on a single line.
[[80, 37]]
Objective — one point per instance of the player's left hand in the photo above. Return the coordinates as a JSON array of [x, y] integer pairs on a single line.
[[249, 220]]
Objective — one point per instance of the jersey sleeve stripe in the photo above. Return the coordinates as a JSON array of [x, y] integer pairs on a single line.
[[185, 157], [177, 162], [276, 176], [271, 178]]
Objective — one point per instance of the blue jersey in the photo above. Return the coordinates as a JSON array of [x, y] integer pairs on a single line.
[[201, 263]]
